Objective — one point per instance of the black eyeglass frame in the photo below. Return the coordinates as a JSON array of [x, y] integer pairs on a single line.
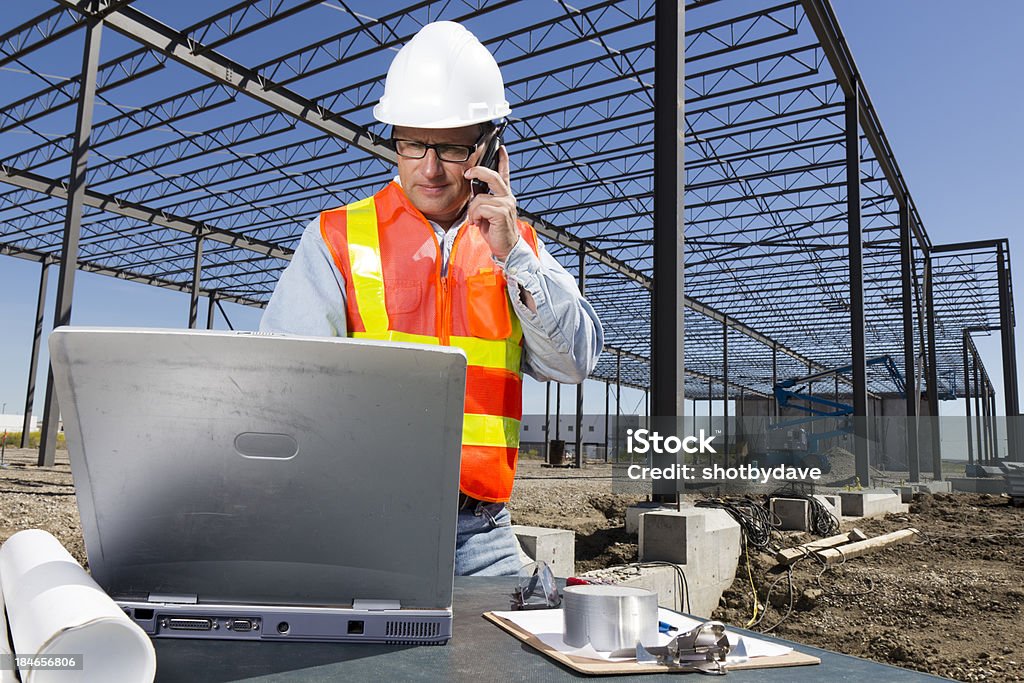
[[469, 149]]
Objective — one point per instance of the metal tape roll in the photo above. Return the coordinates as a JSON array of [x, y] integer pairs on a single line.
[[609, 617]]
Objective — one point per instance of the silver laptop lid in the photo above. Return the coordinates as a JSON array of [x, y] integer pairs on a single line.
[[239, 467]]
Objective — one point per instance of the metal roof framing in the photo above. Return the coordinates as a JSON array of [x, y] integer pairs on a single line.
[[221, 128]]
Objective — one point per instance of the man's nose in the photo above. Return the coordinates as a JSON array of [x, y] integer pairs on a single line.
[[432, 163]]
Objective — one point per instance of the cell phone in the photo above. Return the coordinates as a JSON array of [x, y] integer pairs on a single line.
[[489, 159]]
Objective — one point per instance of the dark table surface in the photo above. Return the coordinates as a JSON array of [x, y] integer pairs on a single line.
[[478, 652]]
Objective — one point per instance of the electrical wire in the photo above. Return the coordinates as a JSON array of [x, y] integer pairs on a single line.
[[756, 523]]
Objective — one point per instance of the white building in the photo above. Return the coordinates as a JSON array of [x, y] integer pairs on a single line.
[[13, 423]]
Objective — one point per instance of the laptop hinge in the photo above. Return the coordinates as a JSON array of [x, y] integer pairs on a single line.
[[373, 605], [176, 598]]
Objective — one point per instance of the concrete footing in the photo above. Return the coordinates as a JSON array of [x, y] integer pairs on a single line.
[[906, 491], [871, 503], [993, 485], [706, 542], [634, 512], [662, 579], [794, 513], [556, 547], [833, 503]]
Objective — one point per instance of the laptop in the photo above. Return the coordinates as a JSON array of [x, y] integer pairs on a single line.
[[246, 486]]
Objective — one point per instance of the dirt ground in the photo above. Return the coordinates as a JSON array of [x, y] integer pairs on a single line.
[[950, 603]]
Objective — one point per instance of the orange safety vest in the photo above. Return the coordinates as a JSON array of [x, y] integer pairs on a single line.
[[390, 259]]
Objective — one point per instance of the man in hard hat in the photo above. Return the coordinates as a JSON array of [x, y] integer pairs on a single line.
[[427, 259]]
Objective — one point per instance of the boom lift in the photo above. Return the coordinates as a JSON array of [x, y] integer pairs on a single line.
[[790, 442]]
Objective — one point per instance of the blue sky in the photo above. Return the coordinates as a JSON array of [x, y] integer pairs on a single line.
[[946, 83]]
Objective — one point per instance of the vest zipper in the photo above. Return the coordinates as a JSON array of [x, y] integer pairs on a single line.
[[446, 294]]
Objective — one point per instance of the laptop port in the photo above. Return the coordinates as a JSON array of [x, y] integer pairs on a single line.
[[241, 624], [189, 624], [143, 614], [355, 627], [283, 627]]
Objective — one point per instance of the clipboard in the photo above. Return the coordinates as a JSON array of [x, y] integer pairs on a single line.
[[599, 667]]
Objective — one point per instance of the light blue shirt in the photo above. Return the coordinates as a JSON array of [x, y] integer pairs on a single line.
[[562, 340]]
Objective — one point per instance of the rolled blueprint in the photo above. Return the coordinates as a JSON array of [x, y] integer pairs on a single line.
[[6, 673], [57, 612], [609, 617]]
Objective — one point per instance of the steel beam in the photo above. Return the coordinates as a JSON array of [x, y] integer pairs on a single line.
[[121, 207], [667, 319], [33, 364], [72, 224], [85, 266], [826, 25]]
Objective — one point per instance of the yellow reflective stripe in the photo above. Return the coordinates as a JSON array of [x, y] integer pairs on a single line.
[[490, 353], [490, 430], [364, 258], [394, 335]]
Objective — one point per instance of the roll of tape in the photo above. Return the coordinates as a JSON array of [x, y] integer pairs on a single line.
[[609, 617]]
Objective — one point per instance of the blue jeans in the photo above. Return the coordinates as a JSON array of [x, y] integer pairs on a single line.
[[484, 542]]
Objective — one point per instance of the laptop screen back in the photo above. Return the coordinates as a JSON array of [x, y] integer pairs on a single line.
[[255, 469]]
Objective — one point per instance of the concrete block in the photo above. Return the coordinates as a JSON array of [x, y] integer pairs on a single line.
[[991, 485], [633, 513], [662, 579], [556, 547], [832, 503], [935, 487], [793, 513], [706, 540], [906, 492], [871, 503]]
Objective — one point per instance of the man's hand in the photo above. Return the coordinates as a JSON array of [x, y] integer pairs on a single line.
[[495, 214]]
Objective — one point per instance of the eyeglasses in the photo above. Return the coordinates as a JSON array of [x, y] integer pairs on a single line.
[[414, 149]]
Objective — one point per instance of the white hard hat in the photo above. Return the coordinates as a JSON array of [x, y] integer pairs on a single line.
[[442, 78]]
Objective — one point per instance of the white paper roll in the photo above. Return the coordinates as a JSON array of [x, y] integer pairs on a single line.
[[55, 608], [6, 675]]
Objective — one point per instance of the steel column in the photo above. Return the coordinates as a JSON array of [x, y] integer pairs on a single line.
[[197, 273], [995, 425], [618, 403], [582, 277], [212, 303], [667, 362], [1009, 350], [775, 381], [967, 401], [558, 410], [933, 374], [909, 369], [987, 421], [855, 244], [33, 364], [547, 420], [725, 392], [978, 424], [72, 224], [607, 395]]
